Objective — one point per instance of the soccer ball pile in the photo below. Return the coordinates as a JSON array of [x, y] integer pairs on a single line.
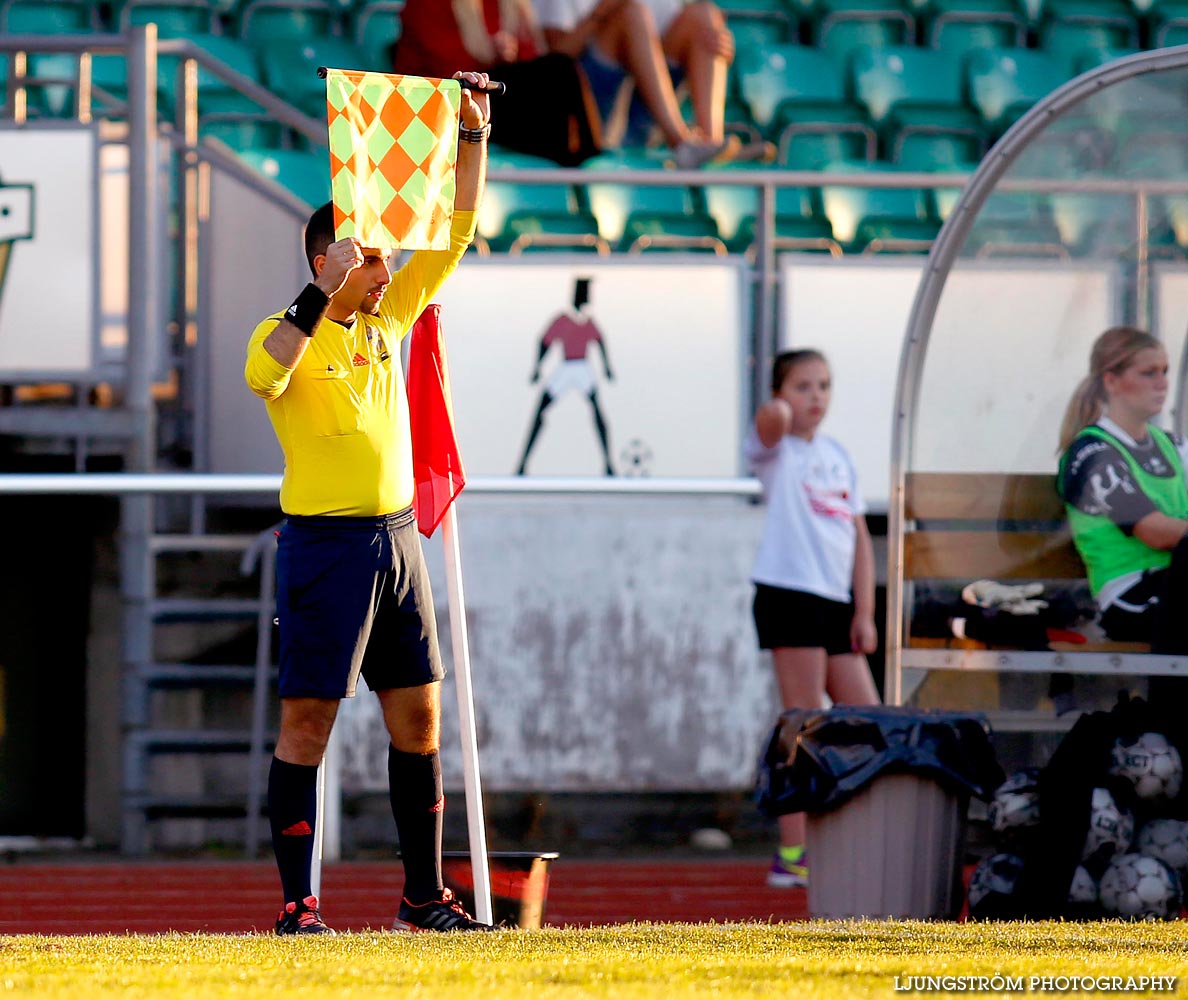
[[1151, 764], [1133, 862]]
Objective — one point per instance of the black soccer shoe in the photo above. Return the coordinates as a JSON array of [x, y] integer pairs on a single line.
[[301, 918], [444, 914]]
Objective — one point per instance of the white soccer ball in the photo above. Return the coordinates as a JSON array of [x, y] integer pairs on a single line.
[[1138, 886], [992, 885], [1083, 890], [1167, 840], [1016, 802], [1151, 764], [1111, 828]]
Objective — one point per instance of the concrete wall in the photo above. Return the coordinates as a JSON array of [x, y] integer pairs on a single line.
[[612, 647]]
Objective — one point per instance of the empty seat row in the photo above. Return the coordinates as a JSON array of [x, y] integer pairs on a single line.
[[371, 24], [630, 216]]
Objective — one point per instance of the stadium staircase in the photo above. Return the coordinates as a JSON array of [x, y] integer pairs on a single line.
[[176, 765]]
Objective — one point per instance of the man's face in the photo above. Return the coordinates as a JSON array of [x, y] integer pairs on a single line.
[[365, 286]]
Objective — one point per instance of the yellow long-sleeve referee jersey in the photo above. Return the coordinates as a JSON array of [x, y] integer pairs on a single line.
[[341, 416]]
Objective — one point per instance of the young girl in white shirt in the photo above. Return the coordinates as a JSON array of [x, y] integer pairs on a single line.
[[814, 572]]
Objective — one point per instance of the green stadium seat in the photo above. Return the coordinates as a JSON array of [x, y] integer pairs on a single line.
[[1149, 151], [812, 145], [516, 217], [960, 26], [938, 152], [907, 90], [1011, 224], [48, 17], [303, 173], [635, 217], [795, 90], [265, 21], [291, 70], [800, 222], [1092, 58], [875, 219], [1168, 21], [59, 70], [1103, 226], [1070, 25], [845, 25], [759, 32], [237, 55], [172, 17], [1004, 83], [376, 29]]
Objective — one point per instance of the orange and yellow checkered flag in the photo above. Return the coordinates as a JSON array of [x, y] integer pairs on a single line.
[[393, 145]]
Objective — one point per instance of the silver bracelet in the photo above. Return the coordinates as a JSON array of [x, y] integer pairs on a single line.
[[476, 135]]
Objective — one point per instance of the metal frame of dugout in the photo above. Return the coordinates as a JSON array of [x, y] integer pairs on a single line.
[[1132, 80]]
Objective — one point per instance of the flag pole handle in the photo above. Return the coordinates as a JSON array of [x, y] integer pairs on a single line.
[[494, 87]]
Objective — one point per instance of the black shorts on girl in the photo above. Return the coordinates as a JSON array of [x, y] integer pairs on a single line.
[[353, 596], [793, 619]]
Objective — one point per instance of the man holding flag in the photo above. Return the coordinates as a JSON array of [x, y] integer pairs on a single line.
[[353, 594]]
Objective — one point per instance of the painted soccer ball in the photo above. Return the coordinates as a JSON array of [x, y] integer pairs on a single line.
[[636, 459], [1111, 828], [992, 886], [1083, 891], [1167, 840], [1151, 764], [1140, 887], [1016, 802]]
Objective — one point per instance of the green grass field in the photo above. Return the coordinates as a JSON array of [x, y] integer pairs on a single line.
[[657, 961]]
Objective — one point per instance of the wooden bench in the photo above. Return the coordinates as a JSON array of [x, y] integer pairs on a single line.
[[961, 527]]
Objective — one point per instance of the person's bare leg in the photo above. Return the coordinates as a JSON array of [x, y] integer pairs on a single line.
[[630, 39], [848, 680], [697, 40], [800, 674]]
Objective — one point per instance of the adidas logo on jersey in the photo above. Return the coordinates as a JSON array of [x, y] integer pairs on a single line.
[[359, 361]]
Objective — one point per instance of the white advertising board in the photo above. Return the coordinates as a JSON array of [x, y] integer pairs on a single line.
[[48, 257], [1009, 343], [672, 333]]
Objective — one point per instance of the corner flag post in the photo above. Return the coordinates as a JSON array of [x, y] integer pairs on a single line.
[[460, 642]]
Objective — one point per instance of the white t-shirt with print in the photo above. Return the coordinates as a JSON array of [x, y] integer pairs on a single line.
[[566, 14], [809, 537]]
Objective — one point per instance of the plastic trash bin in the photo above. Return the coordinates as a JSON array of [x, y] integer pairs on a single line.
[[886, 790]]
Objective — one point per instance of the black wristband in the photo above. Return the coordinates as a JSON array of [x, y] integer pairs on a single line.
[[475, 135], [307, 309]]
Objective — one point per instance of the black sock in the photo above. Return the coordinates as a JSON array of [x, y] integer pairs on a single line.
[[292, 810], [418, 806]]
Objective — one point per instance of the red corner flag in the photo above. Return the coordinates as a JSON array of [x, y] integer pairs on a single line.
[[437, 463]]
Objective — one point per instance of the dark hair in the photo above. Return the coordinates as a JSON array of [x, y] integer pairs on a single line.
[[1113, 351], [785, 361], [319, 233], [581, 292]]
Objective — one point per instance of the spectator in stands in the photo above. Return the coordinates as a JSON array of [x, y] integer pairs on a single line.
[[352, 590], [548, 110], [1122, 481], [652, 42], [814, 573]]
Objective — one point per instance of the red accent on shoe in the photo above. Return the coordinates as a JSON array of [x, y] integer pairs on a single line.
[[301, 829]]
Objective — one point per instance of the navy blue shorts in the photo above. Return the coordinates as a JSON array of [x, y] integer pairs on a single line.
[[353, 596], [793, 619]]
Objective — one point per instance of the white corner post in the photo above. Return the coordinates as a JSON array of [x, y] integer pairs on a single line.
[[459, 640]]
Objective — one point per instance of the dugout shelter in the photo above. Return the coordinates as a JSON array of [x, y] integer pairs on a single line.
[[1069, 226]]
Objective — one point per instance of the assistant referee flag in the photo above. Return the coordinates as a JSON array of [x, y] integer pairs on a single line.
[[393, 146], [437, 463]]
